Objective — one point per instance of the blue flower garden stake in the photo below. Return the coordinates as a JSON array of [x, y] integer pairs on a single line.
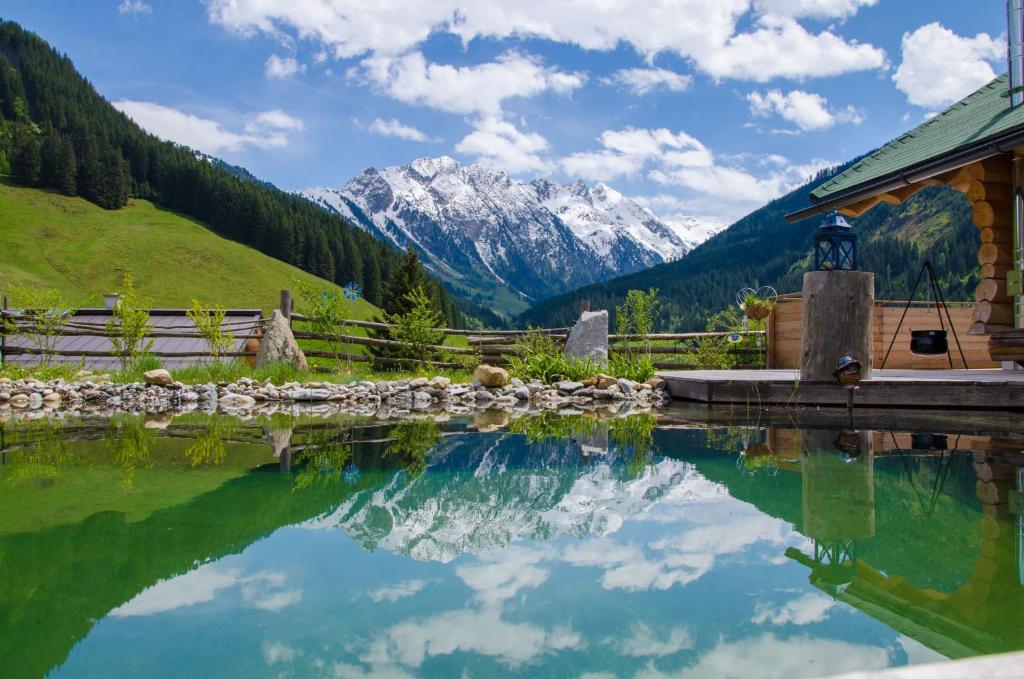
[[352, 292], [351, 474]]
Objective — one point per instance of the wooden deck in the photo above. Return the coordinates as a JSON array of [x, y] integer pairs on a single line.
[[990, 389]]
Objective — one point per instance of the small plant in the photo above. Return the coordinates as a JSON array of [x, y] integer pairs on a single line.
[[418, 329], [714, 352], [636, 315], [539, 357], [42, 317], [757, 308], [129, 324], [327, 311], [635, 367], [209, 322]]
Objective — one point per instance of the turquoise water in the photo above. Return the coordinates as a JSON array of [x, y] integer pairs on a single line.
[[549, 547]]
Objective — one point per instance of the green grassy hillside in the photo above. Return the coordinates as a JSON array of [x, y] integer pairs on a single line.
[[55, 241]]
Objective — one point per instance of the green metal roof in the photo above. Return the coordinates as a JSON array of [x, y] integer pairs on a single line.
[[972, 120]]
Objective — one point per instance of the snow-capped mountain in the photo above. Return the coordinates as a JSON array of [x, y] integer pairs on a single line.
[[490, 234]]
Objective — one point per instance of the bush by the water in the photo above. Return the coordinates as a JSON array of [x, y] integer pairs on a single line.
[[539, 357]]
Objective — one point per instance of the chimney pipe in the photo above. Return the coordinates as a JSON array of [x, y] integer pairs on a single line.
[[1015, 50]]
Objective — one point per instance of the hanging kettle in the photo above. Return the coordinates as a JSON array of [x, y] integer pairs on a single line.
[[928, 342]]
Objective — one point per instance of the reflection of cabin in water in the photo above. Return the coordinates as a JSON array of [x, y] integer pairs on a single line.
[[176, 341]]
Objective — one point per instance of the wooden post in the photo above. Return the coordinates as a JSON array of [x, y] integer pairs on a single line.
[[837, 321], [3, 334], [769, 339], [584, 305], [286, 305]]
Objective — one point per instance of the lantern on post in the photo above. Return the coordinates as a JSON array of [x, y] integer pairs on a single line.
[[835, 245]]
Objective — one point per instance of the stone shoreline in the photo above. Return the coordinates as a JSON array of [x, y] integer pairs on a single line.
[[392, 398]]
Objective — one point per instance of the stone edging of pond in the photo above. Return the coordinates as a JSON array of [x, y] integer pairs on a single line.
[[162, 394]]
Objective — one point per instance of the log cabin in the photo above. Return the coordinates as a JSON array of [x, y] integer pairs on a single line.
[[975, 146]]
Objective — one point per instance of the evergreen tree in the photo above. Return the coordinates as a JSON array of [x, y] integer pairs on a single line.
[[28, 157], [374, 286], [65, 169], [407, 278]]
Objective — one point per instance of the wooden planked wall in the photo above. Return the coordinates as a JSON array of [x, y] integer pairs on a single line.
[[784, 328]]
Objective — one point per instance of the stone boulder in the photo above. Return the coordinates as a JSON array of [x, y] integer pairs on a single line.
[[490, 376], [159, 377], [589, 337], [279, 345]]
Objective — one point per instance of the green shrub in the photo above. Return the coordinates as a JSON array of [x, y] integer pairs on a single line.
[[636, 367], [209, 323], [418, 329], [539, 357], [44, 315], [129, 324]]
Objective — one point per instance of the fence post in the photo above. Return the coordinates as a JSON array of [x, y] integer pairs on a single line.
[[286, 305], [584, 305], [769, 339], [3, 333]]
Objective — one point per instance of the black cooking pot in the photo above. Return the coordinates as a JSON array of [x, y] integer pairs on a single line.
[[928, 342]]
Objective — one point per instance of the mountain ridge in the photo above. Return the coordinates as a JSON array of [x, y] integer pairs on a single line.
[[506, 242]]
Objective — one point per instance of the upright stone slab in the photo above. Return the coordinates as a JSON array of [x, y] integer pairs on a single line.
[[837, 321], [589, 337], [278, 344]]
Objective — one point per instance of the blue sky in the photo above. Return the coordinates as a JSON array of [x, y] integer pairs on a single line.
[[698, 107]]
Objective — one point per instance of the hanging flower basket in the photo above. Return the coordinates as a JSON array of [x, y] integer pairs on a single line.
[[756, 308]]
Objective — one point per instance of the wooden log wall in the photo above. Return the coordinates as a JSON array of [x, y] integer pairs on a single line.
[[989, 186], [784, 336]]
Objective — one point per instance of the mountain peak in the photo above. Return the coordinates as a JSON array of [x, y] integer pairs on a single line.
[[429, 168]]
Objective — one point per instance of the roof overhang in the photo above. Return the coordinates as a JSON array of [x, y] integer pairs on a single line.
[[963, 156]]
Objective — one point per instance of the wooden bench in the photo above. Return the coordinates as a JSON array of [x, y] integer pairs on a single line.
[[1007, 345]]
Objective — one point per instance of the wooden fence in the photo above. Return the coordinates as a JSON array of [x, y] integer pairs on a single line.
[[784, 330]]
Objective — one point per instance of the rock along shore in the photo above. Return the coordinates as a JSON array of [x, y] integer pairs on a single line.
[[392, 398]]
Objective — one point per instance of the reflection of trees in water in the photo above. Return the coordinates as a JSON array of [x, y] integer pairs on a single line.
[[322, 458], [40, 451], [208, 448], [129, 441], [411, 442]]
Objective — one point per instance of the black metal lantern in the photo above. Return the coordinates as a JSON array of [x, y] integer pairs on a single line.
[[835, 245]]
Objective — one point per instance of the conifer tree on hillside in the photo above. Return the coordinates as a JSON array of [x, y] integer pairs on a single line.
[[56, 131]]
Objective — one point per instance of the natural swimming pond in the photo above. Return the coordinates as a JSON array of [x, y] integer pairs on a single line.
[[545, 546]]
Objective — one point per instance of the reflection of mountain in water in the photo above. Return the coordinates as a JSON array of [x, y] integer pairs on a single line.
[[483, 492]]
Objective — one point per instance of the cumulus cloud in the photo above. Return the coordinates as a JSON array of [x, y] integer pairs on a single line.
[[499, 144], [939, 67], [466, 89], [282, 68], [806, 110], [263, 590], [708, 32], [134, 7], [804, 610], [816, 9], [642, 81], [626, 152], [769, 657], [266, 130], [644, 642], [394, 128], [401, 590]]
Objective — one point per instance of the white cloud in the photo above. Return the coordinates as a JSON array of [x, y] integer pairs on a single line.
[[500, 144], [134, 7], [646, 80], [726, 187], [275, 652], [808, 111], [643, 642], [804, 610], [482, 88], [704, 31], [817, 9], [394, 128], [266, 130], [499, 577], [281, 68], [939, 67], [466, 631], [769, 657], [400, 590], [264, 590]]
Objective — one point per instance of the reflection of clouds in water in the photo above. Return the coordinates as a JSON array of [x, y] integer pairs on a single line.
[[275, 652], [397, 591], [499, 576], [917, 652], [804, 610], [644, 642], [689, 554], [346, 671], [265, 590], [467, 631], [769, 657]]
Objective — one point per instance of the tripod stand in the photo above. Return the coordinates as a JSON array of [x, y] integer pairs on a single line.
[[940, 307]]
